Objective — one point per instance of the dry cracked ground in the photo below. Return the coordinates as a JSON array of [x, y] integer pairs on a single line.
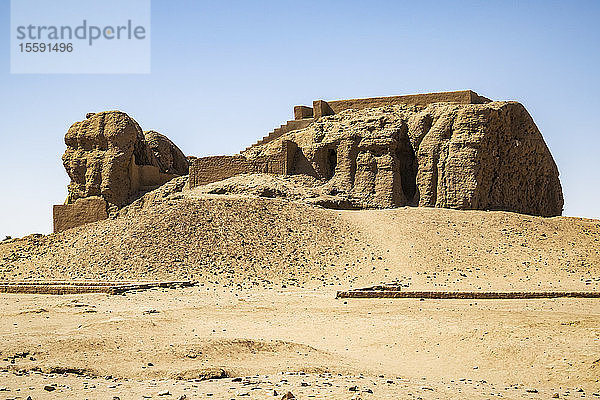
[[264, 321]]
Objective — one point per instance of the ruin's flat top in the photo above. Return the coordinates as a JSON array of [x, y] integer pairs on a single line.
[[459, 96]]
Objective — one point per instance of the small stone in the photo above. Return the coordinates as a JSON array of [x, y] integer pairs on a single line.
[[353, 388], [531, 390], [288, 396], [49, 388], [555, 396], [163, 393]]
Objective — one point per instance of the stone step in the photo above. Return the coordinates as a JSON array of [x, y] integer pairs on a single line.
[[289, 126]]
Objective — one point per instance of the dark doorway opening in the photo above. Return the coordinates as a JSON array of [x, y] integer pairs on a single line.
[[408, 171], [331, 162]]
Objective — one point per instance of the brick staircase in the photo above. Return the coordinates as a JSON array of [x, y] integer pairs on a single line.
[[289, 126]]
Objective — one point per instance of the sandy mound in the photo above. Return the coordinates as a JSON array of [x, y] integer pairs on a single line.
[[302, 188], [244, 238], [291, 187], [169, 234], [205, 358]]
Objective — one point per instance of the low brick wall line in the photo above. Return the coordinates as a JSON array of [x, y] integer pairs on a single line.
[[397, 294], [80, 287]]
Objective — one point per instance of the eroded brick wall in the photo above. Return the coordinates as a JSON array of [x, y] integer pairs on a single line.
[[322, 108], [83, 211], [216, 168]]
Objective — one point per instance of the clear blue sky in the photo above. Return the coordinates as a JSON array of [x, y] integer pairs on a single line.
[[224, 73]]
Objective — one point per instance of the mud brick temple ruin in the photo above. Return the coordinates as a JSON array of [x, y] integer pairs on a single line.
[[450, 149]]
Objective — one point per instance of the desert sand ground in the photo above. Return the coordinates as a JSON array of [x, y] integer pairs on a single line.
[[146, 343], [264, 309]]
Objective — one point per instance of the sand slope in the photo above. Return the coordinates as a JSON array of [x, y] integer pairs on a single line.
[[237, 239]]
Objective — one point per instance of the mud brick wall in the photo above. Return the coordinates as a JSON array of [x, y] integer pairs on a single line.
[[397, 294], [322, 108], [206, 170], [216, 168], [301, 112], [269, 165], [281, 164], [79, 287], [83, 211]]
